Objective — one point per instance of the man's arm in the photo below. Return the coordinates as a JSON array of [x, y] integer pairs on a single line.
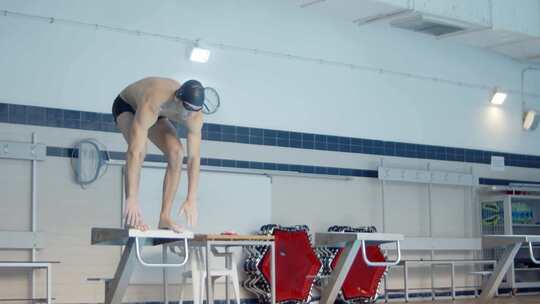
[[193, 161], [145, 117], [189, 207]]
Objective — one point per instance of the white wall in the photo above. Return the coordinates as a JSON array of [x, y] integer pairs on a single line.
[[67, 66], [63, 66], [14, 214], [67, 212]]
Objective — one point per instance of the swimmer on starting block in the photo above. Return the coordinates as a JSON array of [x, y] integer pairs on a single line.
[[143, 111]]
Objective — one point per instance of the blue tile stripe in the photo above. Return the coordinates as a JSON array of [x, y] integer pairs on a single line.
[[230, 163], [391, 295], [244, 164], [503, 182], [51, 117], [217, 301], [459, 293]]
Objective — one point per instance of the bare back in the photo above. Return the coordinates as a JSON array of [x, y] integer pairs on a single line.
[[155, 90]]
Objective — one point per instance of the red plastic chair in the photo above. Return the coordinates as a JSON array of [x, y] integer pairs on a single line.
[[297, 266]]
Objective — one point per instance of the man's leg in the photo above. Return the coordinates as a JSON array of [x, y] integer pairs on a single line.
[[163, 135], [123, 122]]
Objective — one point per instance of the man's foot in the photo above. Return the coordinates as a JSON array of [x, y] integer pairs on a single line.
[[167, 223]]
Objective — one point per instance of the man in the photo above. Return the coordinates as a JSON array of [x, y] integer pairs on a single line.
[[143, 111]]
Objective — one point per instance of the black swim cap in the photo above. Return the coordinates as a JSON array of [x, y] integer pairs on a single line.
[[192, 95]]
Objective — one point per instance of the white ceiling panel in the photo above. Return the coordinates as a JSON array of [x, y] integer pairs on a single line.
[[471, 11], [350, 10], [515, 44], [521, 50], [304, 2], [488, 38]]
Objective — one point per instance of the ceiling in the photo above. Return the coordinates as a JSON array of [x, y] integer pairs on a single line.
[[518, 45]]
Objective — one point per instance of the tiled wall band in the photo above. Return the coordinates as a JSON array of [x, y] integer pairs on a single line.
[[242, 164], [41, 116]]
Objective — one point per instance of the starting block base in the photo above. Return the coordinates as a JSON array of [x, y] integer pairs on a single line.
[[133, 239]]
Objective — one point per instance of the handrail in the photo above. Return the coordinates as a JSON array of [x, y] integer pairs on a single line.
[[533, 259], [381, 264], [139, 257]]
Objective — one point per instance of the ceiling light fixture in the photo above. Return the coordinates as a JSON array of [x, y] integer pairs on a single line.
[[199, 54], [498, 97]]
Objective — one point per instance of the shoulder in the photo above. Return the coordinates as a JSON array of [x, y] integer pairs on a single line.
[[161, 81], [160, 88], [157, 82]]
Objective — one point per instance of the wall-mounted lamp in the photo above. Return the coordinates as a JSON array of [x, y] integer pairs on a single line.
[[530, 122], [529, 119], [498, 97]]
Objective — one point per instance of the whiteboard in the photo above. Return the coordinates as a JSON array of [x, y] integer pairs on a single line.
[[226, 201]]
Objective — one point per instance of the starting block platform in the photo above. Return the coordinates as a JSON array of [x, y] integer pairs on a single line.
[[133, 240], [511, 245], [352, 242], [120, 237]]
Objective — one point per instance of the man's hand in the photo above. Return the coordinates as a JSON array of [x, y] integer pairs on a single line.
[[132, 215], [189, 208]]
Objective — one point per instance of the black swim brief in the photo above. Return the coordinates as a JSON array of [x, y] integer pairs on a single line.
[[120, 106]]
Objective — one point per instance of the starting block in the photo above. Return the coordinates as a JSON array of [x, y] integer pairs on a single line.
[[133, 240], [511, 245], [352, 243]]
